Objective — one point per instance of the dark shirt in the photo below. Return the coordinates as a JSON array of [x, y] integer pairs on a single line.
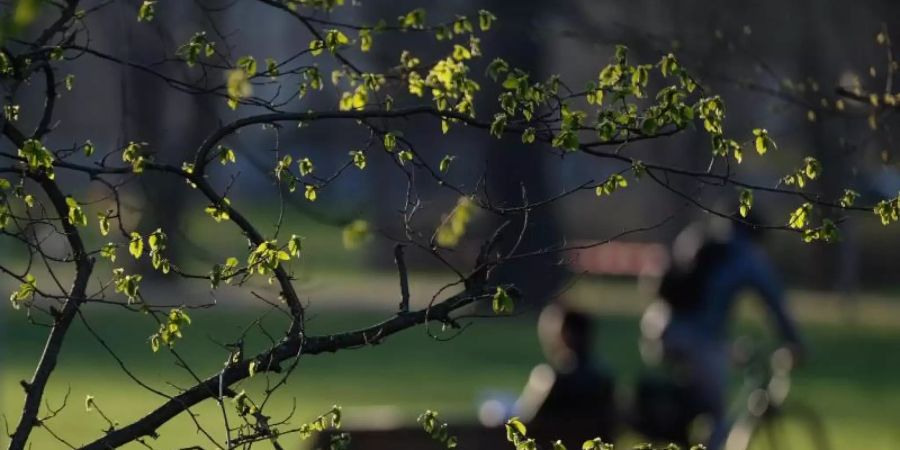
[[579, 406]]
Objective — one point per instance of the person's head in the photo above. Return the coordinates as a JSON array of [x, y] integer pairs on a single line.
[[751, 227], [565, 336]]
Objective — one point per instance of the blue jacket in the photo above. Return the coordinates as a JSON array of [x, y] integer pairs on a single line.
[[745, 266]]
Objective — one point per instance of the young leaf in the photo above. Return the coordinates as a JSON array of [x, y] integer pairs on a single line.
[[306, 166], [359, 159], [762, 141], [147, 11], [502, 303], [310, 193], [104, 223], [136, 246], [444, 166], [485, 20], [390, 141]]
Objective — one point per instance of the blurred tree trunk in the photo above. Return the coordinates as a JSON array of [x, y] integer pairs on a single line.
[[513, 169], [172, 124]]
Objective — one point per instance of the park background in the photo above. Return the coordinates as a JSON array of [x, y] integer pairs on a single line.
[[845, 295]]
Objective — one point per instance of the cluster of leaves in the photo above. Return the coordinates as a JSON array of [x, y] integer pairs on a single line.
[[25, 292], [170, 329], [888, 210], [517, 434], [267, 256], [37, 157], [127, 284], [437, 429], [811, 170], [285, 174], [331, 419]]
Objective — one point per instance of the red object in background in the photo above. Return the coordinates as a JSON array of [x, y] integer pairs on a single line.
[[621, 258]]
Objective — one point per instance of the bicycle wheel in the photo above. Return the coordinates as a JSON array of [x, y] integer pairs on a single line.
[[797, 427]]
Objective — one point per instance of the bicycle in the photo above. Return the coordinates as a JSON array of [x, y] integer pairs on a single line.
[[763, 409]]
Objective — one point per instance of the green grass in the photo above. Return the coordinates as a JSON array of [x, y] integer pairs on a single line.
[[850, 379]]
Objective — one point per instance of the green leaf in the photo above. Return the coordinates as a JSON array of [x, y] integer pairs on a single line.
[[108, 251], [621, 54], [76, 216], [56, 54], [612, 184], [226, 155], [528, 135], [812, 168], [848, 198], [800, 217], [444, 166], [37, 157], [461, 53], [217, 212], [745, 202], [365, 40], [104, 223], [271, 67], [359, 159], [390, 141], [132, 154], [414, 19], [496, 68], [295, 244], [136, 245], [25, 292], [247, 64], [127, 284], [498, 125], [610, 75], [888, 210], [502, 303], [485, 19], [306, 166], [170, 330], [147, 11], [404, 156], [11, 112], [335, 39], [316, 46], [668, 65], [157, 240], [310, 193]]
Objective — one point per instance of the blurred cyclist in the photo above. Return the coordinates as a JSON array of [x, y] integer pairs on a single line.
[[687, 330]]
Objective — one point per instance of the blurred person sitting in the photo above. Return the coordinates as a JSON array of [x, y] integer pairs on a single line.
[[571, 397], [687, 330]]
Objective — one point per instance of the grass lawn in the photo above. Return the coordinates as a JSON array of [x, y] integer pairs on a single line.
[[850, 379]]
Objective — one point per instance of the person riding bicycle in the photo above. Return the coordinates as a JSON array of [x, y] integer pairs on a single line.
[[688, 328]]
